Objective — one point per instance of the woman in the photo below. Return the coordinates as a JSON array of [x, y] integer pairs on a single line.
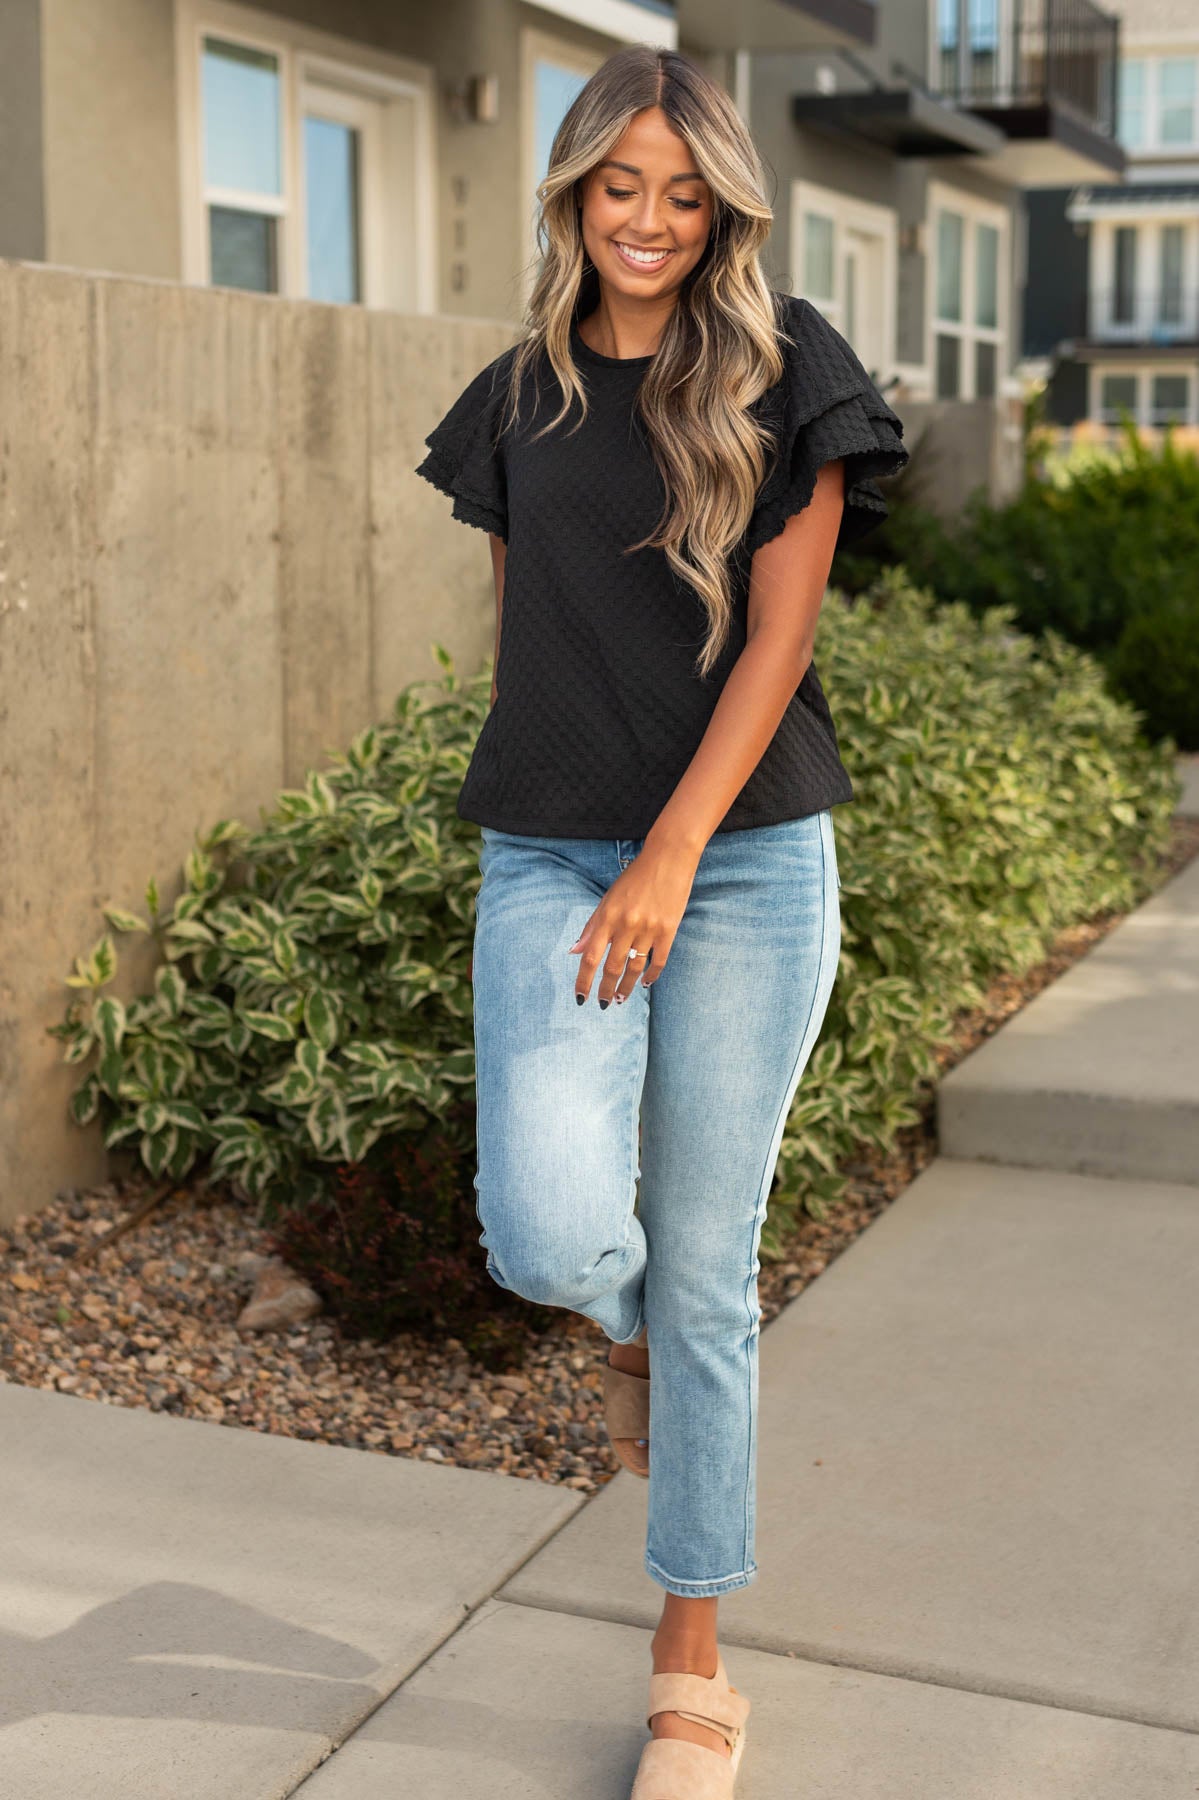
[[664, 464]]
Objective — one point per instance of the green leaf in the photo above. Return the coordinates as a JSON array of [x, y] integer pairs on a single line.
[[320, 1019], [268, 1025], [121, 920], [108, 1022], [85, 1101]]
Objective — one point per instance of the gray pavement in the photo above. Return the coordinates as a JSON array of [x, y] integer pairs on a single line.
[[191, 1611], [975, 1465], [976, 1528], [1099, 1072], [530, 1705]]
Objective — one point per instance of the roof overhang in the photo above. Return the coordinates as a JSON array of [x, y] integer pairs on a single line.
[[902, 121], [778, 24], [1093, 350], [1046, 145]]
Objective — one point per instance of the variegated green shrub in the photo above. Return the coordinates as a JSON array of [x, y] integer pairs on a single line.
[[314, 992], [314, 995], [1000, 794]]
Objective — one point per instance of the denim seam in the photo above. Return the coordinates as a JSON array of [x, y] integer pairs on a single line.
[[763, 1198], [635, 1170]]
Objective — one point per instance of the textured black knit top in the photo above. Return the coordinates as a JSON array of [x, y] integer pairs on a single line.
[[599, 709]]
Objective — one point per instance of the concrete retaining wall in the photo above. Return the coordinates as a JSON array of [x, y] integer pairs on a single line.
[[216, 564]]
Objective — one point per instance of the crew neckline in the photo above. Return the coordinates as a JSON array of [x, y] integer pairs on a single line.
[[583, 351]]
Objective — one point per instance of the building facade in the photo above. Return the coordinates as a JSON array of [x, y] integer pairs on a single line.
[[1112, 303], [387, 154]]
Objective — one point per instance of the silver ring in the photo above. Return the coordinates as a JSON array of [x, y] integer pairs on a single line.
[[638, 952]]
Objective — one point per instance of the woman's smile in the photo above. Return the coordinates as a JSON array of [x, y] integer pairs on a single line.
[[638, 258]]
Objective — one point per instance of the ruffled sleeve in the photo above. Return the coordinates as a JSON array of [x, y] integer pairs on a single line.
[[465, 457], [823, 409]]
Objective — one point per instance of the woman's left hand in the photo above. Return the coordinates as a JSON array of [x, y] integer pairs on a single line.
[[640, 911]]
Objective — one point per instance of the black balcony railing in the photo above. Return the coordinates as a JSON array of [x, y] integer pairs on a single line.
[[1064, 52]]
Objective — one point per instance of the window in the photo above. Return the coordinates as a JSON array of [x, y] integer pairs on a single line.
[[1117, 396], [243, 167], [554, 87], [305, 161], [1170, 403], [1176, 100], [845, 259], [1149, 396], [1159, 103], [818, 257], [1124, 292], [552, 72], [967, 283], [973, 38], [1145, 276], [1169, 292], [1132, 103]]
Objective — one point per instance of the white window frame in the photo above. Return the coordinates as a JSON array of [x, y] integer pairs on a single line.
[[975, 212], [537, 46], [1145, 321], [847, 213], [398, 213], [1152, 60], [1142, 374]]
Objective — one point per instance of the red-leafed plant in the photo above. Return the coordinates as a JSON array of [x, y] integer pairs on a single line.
[[395, 1247]]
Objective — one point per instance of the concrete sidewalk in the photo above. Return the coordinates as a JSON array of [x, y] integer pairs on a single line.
[[977, 1499], [1098, 1072]]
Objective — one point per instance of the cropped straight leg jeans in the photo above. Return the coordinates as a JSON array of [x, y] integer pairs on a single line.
[[625, 1157]]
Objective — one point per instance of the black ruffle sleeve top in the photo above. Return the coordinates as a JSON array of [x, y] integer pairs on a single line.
[[599, 709]]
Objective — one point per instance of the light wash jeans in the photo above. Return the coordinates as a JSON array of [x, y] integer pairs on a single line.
[[709, 1056]]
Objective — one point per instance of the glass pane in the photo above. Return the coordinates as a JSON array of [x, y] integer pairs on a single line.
[[1124, 297], [986, 285], [553, 90], [331, 180], [1132, 103], [241, 118], [1117, 394], [1176, 100], [986, 368], [1171, 397], [818, 256], [984, 46], [947, 42], [242, 248], [950, 231], [1169, 311], [949, 368]]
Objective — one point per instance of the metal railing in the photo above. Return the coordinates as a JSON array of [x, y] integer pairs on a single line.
[[1064, 51], [1150, 314]]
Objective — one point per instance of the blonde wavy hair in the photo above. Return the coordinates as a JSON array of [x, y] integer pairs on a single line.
[[718, 351]]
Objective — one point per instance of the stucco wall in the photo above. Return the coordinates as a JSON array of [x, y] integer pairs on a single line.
[[111, 131], [216, 564]]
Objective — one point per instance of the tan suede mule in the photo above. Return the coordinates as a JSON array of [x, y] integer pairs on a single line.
[[626, 1413], [674, 1768]]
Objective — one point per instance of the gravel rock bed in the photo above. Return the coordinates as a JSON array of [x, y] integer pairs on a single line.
[[151, 1320]]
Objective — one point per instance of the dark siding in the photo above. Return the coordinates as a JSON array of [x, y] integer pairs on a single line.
[[1055, 294], [1066, 394]]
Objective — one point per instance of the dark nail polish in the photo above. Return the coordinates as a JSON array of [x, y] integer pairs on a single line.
[[579, 999], [604, 1005]]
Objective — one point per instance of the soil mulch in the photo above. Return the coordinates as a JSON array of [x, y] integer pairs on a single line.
[[150, 1319]]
